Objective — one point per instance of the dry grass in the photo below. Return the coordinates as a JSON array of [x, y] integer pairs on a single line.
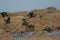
[[42, 20]]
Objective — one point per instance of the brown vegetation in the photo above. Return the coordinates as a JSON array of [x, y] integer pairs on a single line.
[[43, 18]]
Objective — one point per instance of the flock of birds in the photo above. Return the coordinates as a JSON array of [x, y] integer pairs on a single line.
[[30, 26]]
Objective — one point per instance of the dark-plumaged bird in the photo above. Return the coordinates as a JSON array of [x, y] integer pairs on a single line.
[[31, 14], [28, 25], [4, 14], [7, 20], [47, 29]]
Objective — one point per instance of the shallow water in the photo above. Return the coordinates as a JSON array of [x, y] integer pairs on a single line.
[[24, 35], [54, 33], [27, 34]]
